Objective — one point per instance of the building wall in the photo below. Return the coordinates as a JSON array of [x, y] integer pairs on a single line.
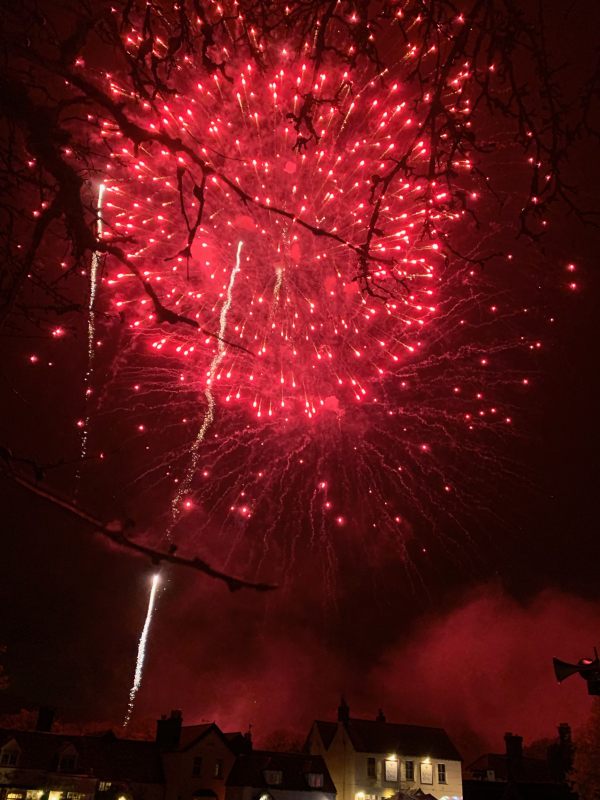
[[27, 784], [178, 767], [349, 771]]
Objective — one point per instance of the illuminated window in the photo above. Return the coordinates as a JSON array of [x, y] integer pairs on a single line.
[[15, 795], [371, 768], [104, 786], [391, 770], [218, 767], [273, 777], [315, 780], [197, 766], [409, 769], [426, 772], [441, 772]]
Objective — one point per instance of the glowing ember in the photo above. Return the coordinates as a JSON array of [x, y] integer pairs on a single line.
[[307, 328]]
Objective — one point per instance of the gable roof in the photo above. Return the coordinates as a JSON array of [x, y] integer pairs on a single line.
[[249, 770], [376, 736], [104, 757], [191, 734], [326, 731]]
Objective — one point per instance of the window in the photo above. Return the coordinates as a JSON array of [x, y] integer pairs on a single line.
[[197, 767], [441, 770], [9, 758], [426, 772], [315, 780], [371, 768], [391, 770], [104, 786], [409, 769], [273, 777], [218, 767], [9, 755]]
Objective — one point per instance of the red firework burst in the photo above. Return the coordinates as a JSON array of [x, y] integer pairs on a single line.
[[328, 298]]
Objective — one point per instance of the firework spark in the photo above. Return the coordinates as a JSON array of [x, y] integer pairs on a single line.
[[209, 414], [91, 322], [352, 353], [141, 652]]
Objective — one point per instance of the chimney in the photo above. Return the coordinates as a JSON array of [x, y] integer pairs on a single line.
[[514, 754], [343, 711], [168, 730], [560, 754], [248, 738], [564, 733], [380, 716], [45, 718]]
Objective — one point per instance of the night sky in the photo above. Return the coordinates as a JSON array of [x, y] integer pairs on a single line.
[[462, 637]]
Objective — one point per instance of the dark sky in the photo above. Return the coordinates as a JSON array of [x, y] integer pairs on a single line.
[[467, 644]]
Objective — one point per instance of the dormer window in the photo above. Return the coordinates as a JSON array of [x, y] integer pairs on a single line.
[[273, 777], [315, 780], [9, 755]]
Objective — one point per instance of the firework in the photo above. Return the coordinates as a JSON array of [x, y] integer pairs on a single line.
[[141, 651], [350, 357], [91, 322]]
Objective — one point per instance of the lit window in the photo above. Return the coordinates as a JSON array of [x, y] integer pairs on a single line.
[[371, 768], [104, 786], [391, 770], [197, 767], [441, 770], [273, 777], [426, 772], [409, 768], [315, 780], [218, 767]]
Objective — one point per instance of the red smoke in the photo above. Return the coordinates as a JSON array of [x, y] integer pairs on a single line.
[[483, 668]]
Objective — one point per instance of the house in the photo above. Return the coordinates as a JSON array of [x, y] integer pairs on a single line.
[[266, 775], [376, 759], [53, 766], [197, 759], [512, 775]]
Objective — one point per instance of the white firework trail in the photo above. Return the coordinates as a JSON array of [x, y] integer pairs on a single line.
[[141, 652], [209, 414], [91, 325]]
